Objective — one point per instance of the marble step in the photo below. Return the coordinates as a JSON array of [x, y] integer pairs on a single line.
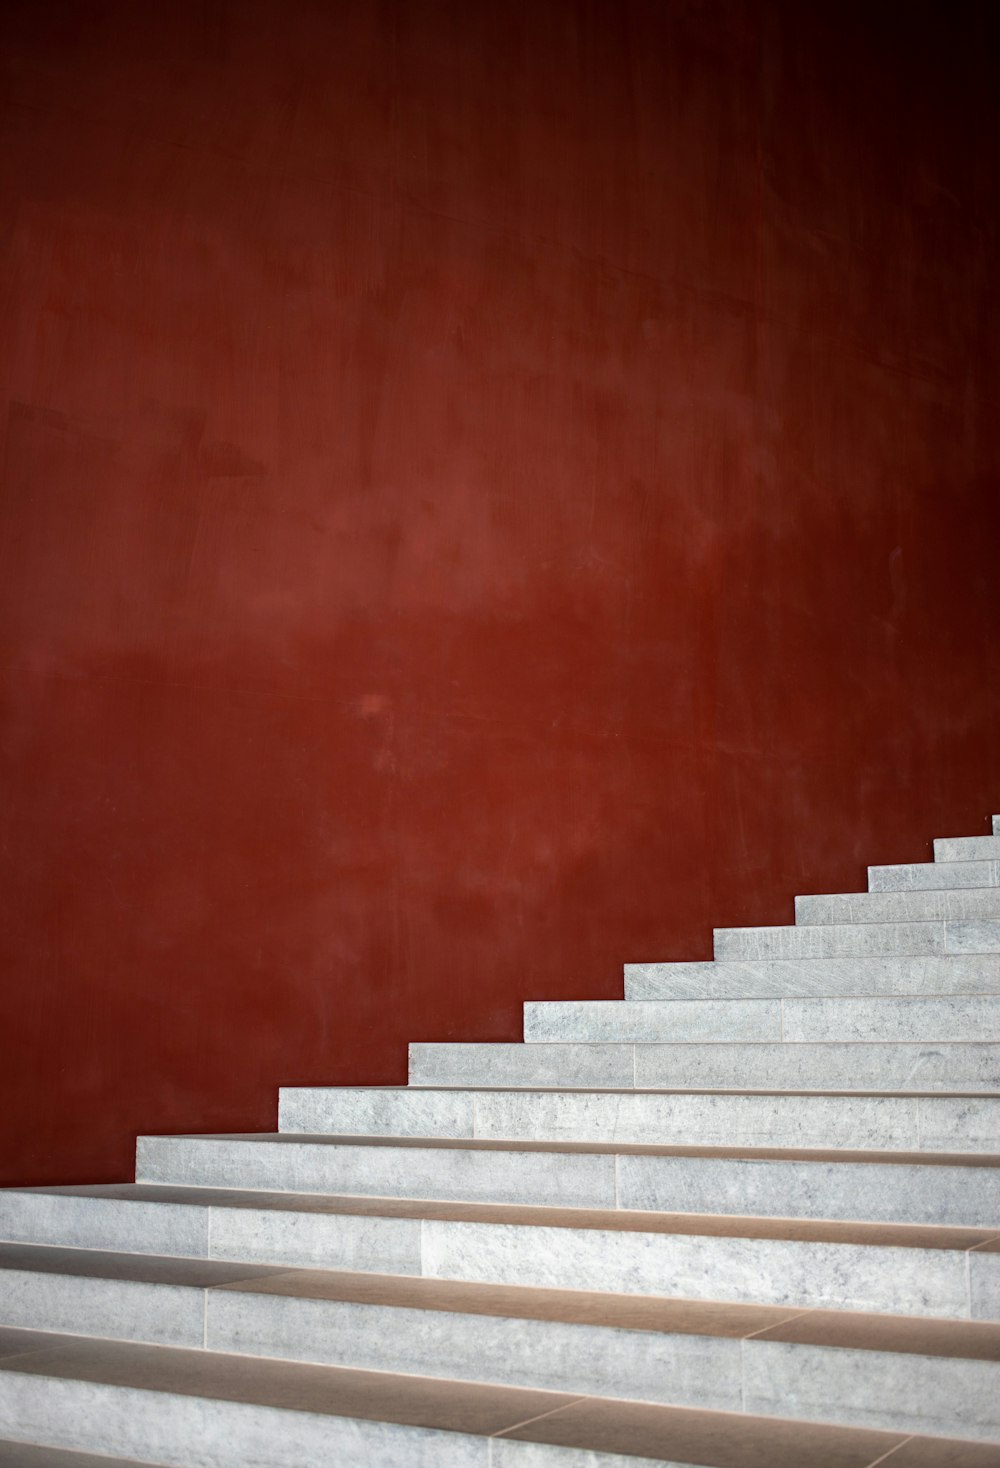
[[890, 1371], [776, 1066], [218, 1410], [941, 1270], [814, 977], [898, 907], [885, 1020], [968, 848], [926, 1121], [912, 1187], [851, 940], [941, 875]]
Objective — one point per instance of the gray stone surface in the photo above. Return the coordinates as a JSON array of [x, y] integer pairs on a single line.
[[676, 1118], [690, 1369], [778, 978], [381, 1245], [181, 1431], [899, 907], [878, 1192], [515, 1065], [956, 1017], [928, 875], [613, 1020], [959, 1124], [833, 940], [168, 1315], [702, 1267], [884, 1019], [967, 848], [950, 1398], [376, 1111], [912, 1066], [972, 937], [720, 1120], [561, 1180], [87, 1220], [984, 1283]]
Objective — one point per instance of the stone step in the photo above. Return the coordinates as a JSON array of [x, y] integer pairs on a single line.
[[928, 1121], [814, 977], [120, 1398], [850, 940], [898, 907], [996, 825], [788, 1065], [968, 848], [912, 1187], [938, 1020], [940, 1270], [823, 1365], [918, 876]]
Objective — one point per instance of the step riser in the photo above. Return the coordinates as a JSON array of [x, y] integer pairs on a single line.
[[788, 1066], [846, 940], [897, 907], [817, 977], [245, 1235], [954, 1018], [124, 1422], [778, 1272], [967, 848], [931, 876], [897, 1192], [898, 1123], [868, 1388]]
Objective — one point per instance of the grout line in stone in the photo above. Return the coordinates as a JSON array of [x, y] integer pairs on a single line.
[[795, 1315], [894, 1449], [563, 1407]]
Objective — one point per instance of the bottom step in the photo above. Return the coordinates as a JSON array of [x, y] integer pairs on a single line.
[[176, 1407], [893, 1372]]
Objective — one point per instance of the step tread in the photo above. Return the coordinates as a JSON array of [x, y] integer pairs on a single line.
[[856, 1330], [680, 1434], [949, 1237]]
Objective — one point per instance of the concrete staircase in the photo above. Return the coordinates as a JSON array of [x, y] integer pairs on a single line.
[[747, 1218]]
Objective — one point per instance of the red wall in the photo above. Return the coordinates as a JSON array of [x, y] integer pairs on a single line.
[[489, 490]]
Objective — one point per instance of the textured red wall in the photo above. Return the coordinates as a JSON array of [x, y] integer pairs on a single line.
[[489, 490]]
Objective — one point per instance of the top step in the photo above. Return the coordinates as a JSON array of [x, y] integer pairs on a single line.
[[969, 848]]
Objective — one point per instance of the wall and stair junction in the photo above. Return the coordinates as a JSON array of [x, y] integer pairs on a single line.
[[748, 1215]]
